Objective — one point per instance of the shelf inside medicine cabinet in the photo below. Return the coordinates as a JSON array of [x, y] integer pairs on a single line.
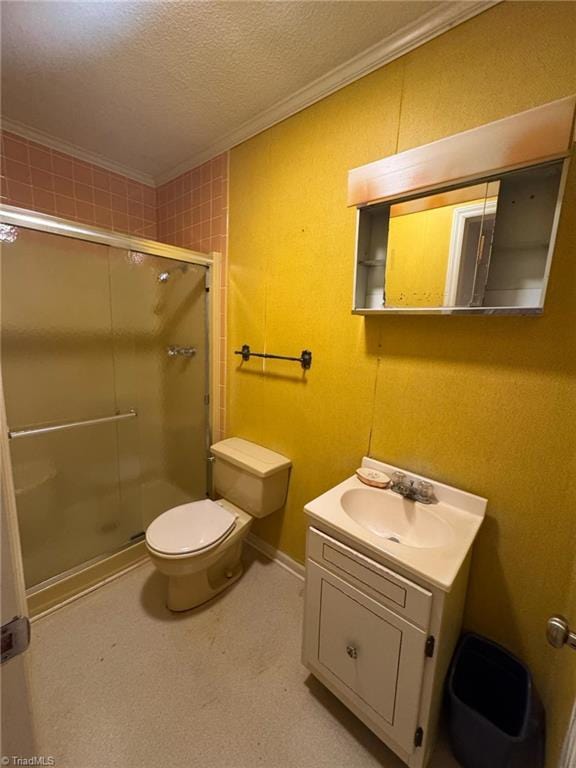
[[483, 247]]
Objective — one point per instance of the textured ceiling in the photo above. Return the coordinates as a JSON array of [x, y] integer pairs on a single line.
[[151, 84]]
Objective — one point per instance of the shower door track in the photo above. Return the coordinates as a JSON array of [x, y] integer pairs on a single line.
[[20, 217], [85, 566]]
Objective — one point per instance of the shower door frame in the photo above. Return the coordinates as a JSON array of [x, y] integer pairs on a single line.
[[21, 217]]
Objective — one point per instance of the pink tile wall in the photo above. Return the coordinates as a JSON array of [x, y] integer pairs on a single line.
[[37, 177], [193, 208], [193, 213]]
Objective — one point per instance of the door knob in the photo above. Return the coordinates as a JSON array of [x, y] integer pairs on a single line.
[[559, 634]]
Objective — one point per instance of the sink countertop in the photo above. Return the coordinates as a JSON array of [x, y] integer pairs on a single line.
[[463, 512]]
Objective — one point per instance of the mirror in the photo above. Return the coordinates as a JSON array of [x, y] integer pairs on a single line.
[[478, 247]]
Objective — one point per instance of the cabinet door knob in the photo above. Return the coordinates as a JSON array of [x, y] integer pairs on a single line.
[[352, 651]]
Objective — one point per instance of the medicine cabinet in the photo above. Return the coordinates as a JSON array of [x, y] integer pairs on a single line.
[[466, 225]]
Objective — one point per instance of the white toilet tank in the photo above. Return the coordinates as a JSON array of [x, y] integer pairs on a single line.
[[250, 476]]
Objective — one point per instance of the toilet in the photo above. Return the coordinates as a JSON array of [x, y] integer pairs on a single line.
[[198, 545]]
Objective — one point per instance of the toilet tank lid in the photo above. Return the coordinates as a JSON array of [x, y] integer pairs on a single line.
[[254, 458]]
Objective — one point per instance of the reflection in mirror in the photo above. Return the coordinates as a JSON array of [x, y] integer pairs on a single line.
[[438, 247], [481, 245]]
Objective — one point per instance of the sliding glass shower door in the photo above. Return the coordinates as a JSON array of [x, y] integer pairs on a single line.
[[104, 371]]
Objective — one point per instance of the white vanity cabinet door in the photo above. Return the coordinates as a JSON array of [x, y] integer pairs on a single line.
[[374, 657], [360, 647]]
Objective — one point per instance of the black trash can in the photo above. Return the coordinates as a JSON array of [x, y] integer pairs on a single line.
[[496, 718]]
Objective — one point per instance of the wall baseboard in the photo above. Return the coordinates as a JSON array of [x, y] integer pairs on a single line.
[[281, 558]]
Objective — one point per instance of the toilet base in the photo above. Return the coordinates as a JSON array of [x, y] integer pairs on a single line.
[[193, 589]]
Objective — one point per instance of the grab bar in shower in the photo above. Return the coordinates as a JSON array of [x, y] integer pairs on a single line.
[[14, 433]]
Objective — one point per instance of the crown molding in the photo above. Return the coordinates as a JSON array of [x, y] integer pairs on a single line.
[[78, 152], [426, 28]]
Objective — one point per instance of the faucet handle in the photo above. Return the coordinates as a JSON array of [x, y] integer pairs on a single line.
[[425, 491], [398, 478]]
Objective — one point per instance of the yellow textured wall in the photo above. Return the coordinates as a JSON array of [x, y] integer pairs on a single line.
[[487, 404]]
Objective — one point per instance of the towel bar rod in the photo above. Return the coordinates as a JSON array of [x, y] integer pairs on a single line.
[[305, 358]]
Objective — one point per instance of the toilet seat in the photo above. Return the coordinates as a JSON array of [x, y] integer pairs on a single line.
[[190, 528]]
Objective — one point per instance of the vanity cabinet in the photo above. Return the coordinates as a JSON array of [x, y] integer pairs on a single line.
[[378, 640]]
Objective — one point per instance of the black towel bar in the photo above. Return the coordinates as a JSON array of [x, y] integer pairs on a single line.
[[305, 358]]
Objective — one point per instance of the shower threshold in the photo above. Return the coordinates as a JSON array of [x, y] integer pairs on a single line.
[[59, 590]]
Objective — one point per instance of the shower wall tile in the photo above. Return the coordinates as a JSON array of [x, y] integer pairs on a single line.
[[192, 208], [192, 212], [35, 176]]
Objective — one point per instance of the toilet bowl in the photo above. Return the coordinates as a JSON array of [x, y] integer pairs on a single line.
[[198, 567], [198, 545]]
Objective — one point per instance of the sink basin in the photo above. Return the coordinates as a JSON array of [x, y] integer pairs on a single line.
[[396, 519], [430, 541]]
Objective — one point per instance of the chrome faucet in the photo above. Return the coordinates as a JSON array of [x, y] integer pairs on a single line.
[[415, 490]]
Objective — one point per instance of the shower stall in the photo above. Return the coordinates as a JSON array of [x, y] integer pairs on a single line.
[[105, 371]]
